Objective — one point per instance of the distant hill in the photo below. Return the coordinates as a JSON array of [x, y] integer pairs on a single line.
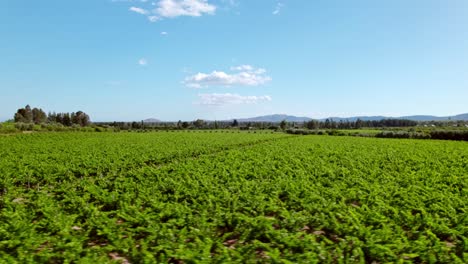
[[354, 118], [151, 120], [290, 118], [275, 119], [463, 117]]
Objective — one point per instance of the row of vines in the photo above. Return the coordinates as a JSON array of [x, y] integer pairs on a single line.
[[221, 198]]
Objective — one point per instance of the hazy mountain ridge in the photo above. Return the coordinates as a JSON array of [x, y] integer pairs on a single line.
[[151, 120], [291, 118], [275, 118]]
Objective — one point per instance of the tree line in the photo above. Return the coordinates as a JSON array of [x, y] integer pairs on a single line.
[[38, 116], [331, 124], [283, 125], [28, 115]]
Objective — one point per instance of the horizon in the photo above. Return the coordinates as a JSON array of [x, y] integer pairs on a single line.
[[252, 117], [313, 118], [234, 59]]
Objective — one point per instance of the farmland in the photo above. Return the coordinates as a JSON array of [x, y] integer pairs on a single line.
[[206, 197]]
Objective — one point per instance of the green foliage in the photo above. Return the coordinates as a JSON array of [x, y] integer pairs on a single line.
[[24, 126], [26, 115], [38, 116], [450, 134], [438, 134], [8, 128], [283, 124], [199, 123], [223, 197]]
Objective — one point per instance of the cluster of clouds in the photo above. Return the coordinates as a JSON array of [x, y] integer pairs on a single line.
[[243, 75], [174, 8], [160, 9]]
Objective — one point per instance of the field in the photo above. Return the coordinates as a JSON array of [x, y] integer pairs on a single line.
[[212, 197]]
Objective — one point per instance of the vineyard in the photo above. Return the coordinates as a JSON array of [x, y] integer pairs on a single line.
[[222, 197]]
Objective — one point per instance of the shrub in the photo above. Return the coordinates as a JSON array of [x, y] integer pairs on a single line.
[[335, 133], [301, 131], [449, 135], [24, 126], [8, 128], [393, 134], [403, 134], [99, 129]]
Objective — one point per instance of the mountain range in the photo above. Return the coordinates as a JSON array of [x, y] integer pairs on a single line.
[[290, 118]]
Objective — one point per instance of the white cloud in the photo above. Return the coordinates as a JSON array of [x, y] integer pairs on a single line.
[[143, 62], [278, 7], [139, 10], [173, 8], [164, 33], [245, 75], [216, 99]]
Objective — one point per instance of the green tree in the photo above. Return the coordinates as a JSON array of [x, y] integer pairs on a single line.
[[80, 118], [28, 114], [39, 116], [283, 124], [312, 124], [19, 116], [67, 119], [359, 123], [199, 123], [24, 115], [327, 123]]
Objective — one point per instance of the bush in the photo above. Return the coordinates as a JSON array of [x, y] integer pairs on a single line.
[[362, 135], [402, 134], [420, 135], [24, 126], [335, 133], [302, 132], [449, 135], [8, 128], [99, 129], [393, 134]]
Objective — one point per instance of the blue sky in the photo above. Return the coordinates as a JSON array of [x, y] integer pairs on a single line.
[[220, 59]]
